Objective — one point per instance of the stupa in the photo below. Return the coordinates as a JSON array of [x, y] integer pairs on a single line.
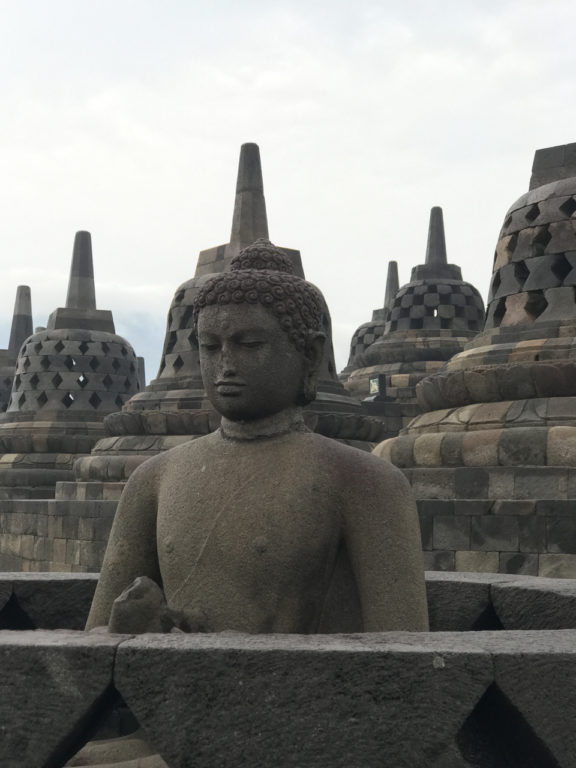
[[68, 377], [19, 332], [421, 326], [173, 408], [493, 459]]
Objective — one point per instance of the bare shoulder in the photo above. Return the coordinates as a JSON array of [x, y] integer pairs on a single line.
[[354, 467], [152, 471]]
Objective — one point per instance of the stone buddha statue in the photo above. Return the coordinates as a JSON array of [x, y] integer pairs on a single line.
[[264, 526]]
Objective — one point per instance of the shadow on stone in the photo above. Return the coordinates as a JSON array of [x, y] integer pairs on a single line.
[[495, 735], [13, 617]]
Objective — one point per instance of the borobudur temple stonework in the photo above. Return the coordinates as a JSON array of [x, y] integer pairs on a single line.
[[422, 325], [20, 330], [492, 461], [68, 377]]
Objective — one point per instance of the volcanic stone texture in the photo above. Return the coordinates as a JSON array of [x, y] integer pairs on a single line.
[[492, 460], [445, 699]]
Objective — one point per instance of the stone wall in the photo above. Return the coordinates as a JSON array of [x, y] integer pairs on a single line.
[[447, 699], [48, 535]]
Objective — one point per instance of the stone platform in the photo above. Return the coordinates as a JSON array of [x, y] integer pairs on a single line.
[[498, 698]]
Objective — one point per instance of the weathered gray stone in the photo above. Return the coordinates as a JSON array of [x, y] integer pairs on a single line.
[[295, 701], [45, 723], [535, 604]]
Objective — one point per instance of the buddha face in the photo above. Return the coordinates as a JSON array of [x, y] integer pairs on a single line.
[[250, 368]]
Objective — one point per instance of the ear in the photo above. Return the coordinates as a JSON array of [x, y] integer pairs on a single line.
[[313, 355], [314, 350]]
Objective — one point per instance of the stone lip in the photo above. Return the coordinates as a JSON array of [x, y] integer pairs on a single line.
[[553, 164], [403, 699], [458, 602]]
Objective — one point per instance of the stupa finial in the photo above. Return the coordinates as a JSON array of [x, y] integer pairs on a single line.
[[21, 319], [81, 292], [436, 248], [392, 284], [249, 221]]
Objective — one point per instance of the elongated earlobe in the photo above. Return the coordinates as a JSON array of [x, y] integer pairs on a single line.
[[313, 353]]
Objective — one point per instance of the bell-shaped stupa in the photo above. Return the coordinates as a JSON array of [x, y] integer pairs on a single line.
[[19, 332], [173, 408], [492, 461], [421, 326], [68, 377]]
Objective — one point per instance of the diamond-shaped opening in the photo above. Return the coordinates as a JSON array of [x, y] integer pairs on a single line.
[[532, 213], [127, 384], [59, 346], [26, 363], [119, 401], [68, 399], [179, 296], [192, 340], [57, 380], [37, 346], [94, 400], [45, 363], [84, 347], [42, 399], [540, 241], [21, 400], [416, 323], [17, 382], [496, 733], [496, 282], [107, 381], [568, 207], [508, 222], [34, 381], [124, 351], [186, 319], [116, 364], [499, 311], [178, 363], [535, 304], [105, 348], [70, 363], [521, 272], [171, 342], [82, 380], [94, 363], [108, 729], [511, 244], [132, 368], [561, 267]]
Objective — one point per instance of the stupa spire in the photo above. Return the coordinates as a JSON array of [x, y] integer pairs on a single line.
[[21, 319], [249, 221], [436, 247], [81, 292], [392, 284]]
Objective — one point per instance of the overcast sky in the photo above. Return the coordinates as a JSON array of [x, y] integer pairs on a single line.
[[125, 118]]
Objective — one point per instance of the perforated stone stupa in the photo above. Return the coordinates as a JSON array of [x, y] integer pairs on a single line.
[[19, 332], [173, 407], [67, 378], [422, 325], [493, 459]]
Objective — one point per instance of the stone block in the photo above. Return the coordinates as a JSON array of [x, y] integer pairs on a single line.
[[300, 701], [451, 450], [533, 604], [426, 530], [521, 447], [460, 602], [427, 450], [519, 562], [439, 560], [53, 601], [555, 507], [44, 722], [532, 534], [557, 566], [501, 483], [539, 483], [562, 446], [561, 534], [471, 483], [480, 448], [490, 533], [451, 532], [477, 562]]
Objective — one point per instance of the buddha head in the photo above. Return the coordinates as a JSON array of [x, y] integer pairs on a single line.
[[259, 332]]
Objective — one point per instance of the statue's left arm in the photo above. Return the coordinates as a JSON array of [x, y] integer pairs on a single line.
[[384, 546]]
